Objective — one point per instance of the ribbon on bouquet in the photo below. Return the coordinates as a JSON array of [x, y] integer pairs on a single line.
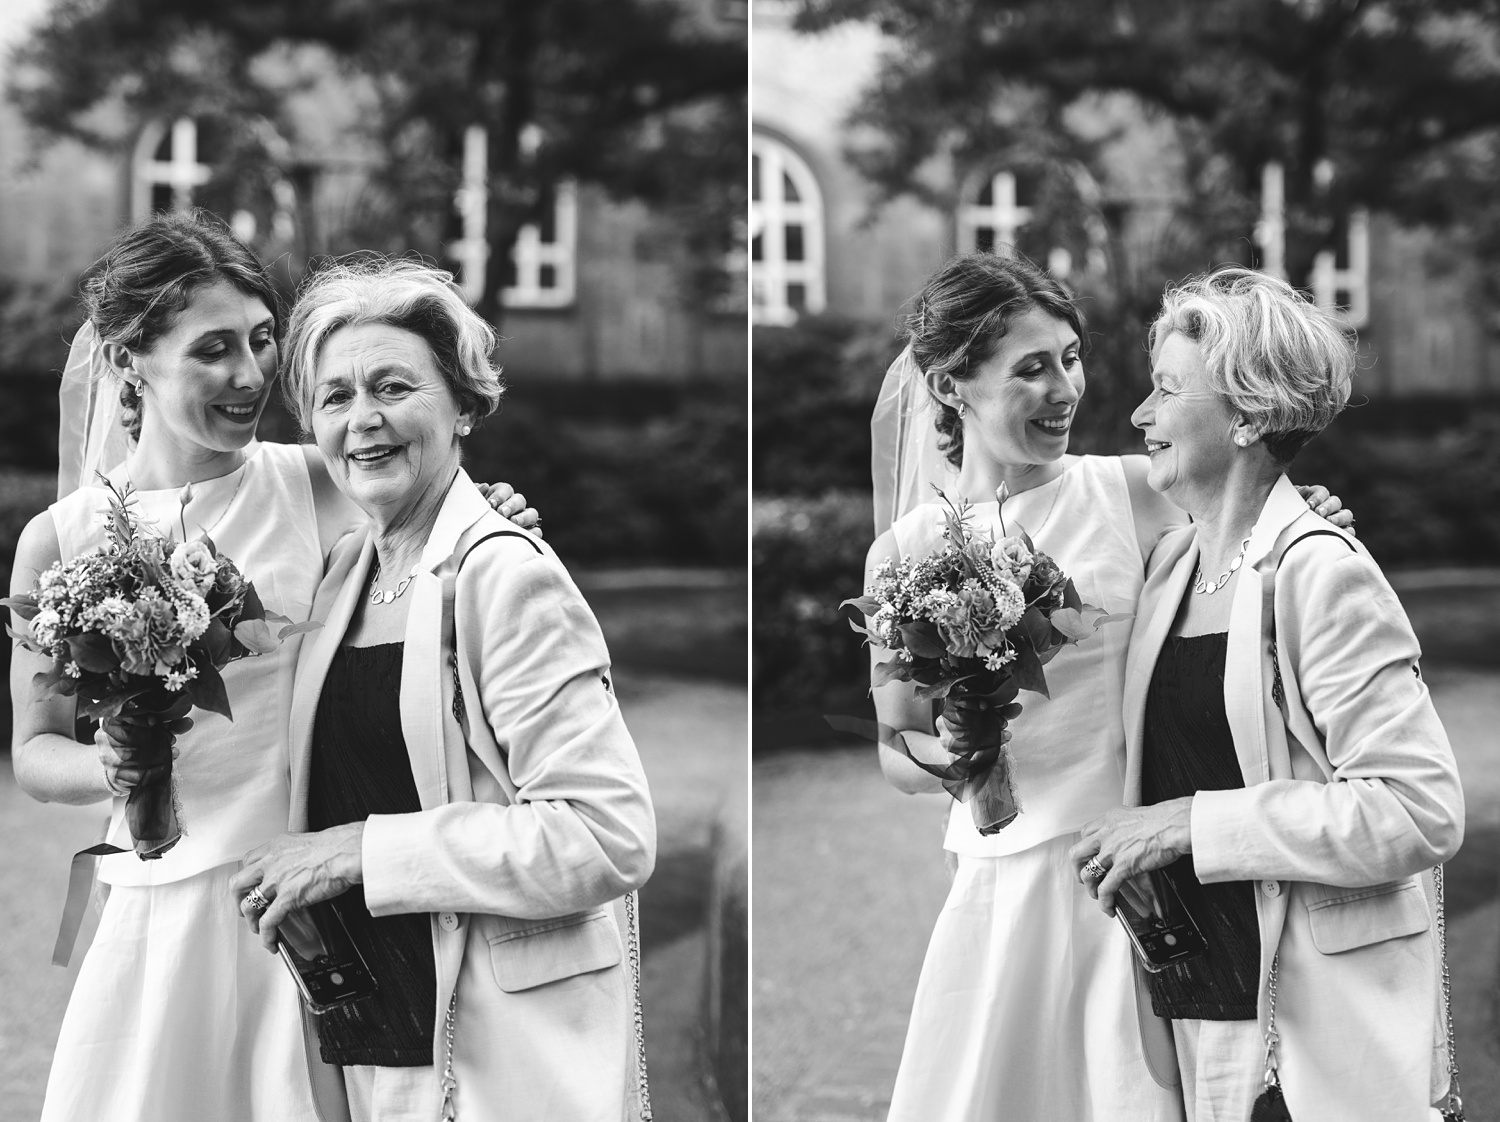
[[979, 774], [81, 877]]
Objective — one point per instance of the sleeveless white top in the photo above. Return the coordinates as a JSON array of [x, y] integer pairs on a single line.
[[1068, 750], [232, 777]]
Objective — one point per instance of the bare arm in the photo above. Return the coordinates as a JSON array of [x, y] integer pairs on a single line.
[[897, 707], [336, 515], [50, 765], [1154, 513]]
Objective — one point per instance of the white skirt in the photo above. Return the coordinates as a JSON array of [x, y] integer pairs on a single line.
[[1026, 1010], [180, 1015]]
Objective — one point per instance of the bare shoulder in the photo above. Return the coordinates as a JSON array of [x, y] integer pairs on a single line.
[[883, 548], [36, 548]]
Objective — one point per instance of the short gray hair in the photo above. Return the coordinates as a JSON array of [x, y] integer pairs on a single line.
[[400, 293], [1284, 364]]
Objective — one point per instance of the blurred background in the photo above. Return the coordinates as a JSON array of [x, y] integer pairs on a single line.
[[581, 166], [1352, 147]]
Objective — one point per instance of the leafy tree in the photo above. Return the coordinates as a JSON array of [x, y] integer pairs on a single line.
[[1390, 104], [636, 95]]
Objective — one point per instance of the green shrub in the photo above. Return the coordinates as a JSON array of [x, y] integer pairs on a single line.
[[669, 487], [23, 494], [807, 556]]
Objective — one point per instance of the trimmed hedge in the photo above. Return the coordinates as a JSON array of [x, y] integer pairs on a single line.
[[807, 556]]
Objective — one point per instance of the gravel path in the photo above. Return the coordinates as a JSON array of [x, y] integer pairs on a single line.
[[691, 734], [849, 879]]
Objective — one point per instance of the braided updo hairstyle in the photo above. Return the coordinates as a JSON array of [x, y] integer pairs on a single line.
[[133, 292], [963, 313]]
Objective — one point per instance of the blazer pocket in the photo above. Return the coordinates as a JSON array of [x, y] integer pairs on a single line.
[[1368, 916], [553, 950]]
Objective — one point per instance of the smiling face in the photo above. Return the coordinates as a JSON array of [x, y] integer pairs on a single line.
[[205, 379], [1020, 402], [1187, 424], [385, 420]]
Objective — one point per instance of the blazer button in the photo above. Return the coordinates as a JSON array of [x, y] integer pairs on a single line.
[[448, 921], [1271, 888]]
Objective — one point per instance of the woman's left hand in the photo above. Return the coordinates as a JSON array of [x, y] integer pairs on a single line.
[[512, 504], [1132, 840], [296, 870], [1331, 507]]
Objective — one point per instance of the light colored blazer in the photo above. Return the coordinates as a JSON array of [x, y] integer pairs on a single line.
[[1346, 801], [527, 831]]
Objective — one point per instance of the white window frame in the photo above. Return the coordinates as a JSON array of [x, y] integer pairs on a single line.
[[1002, 215], [770, 215], [183, 173], [531, 254]]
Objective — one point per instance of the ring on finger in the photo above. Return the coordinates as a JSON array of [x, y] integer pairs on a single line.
[[255, 900], [1094, 869]]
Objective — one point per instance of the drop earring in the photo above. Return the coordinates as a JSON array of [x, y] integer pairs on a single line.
[[963, 411]]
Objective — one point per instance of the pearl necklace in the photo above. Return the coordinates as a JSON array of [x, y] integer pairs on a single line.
[[1214, 585], [380, 596]]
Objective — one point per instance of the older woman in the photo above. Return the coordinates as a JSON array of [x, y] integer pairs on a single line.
[[1294, 777], [463, 784]]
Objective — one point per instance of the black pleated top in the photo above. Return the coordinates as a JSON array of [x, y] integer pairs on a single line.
[[1187, 748], [359, 768]]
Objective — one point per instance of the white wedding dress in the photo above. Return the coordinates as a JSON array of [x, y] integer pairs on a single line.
[[179, 1014], [1025, 1010]]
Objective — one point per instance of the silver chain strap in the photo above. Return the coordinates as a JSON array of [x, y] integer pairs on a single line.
[[1455, 1111], [450, 1084], [634, 941], [1273, 1079]]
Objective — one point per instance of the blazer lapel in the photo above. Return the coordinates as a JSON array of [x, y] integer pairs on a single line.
[[1155, 612], [1248, 657], [423, 661], [341, 590]]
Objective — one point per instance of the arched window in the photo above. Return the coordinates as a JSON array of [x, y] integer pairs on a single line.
[[166, 169], [786, 235], [994, 217]]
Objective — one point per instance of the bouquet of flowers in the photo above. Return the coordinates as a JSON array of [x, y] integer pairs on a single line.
[[141, 630], [972, 625]]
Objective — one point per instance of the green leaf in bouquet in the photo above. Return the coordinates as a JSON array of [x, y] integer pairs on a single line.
[[1071, 599], [1035, 627], [207, 691], [302, 628], [1073, 624], [24, 639], [854, 625], [255, 635], [24, 606], [92, 652], [107, 707], [922, 639], [218, 642], [251, 607], [893, 670], [937, 691], [1003, 694], [865, 605], [1027, 669]]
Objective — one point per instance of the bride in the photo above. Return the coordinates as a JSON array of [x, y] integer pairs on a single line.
[[178, 1014], [1026, 1006]]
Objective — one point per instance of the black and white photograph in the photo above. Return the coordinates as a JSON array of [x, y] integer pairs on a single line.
[[1125, 560], [374, 514]]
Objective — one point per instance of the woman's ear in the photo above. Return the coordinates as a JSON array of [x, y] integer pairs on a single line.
[[121, 362], [943, 387], [1243, 433]]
